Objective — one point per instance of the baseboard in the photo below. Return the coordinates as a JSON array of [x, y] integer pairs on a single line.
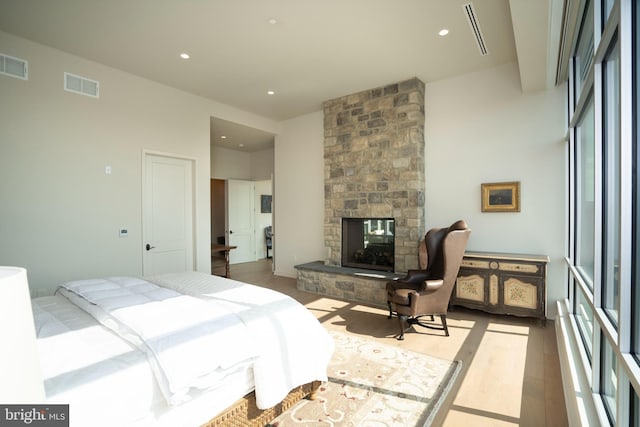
[[293, 274]]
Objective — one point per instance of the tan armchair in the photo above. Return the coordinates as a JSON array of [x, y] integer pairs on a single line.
[[426, 292]]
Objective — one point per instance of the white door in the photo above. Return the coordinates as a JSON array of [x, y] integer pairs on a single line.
[[167, 215], [240, 220]]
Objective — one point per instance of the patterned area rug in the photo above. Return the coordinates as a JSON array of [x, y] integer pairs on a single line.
[[372, 384]]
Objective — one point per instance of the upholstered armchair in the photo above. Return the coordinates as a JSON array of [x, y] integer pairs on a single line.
[[426, 292]]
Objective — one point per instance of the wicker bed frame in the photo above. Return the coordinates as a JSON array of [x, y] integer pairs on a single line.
[[245, 413]]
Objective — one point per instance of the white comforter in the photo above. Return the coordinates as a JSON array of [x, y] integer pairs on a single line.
[[85, 365], [186, 340], [294, 348], [285, 343]]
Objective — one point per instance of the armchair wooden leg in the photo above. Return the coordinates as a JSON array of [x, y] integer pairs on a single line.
[[390, 310], [443, 317], [402, 319]]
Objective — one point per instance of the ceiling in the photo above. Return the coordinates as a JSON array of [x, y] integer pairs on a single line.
[[306, 51]]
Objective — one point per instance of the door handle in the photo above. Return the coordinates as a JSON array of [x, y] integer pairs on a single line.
[[149, 247], [230, 231]]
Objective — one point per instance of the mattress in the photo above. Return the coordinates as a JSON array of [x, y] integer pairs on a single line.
[[108, 382]]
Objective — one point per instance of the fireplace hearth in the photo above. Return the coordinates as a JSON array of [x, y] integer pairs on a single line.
[[368, 243]]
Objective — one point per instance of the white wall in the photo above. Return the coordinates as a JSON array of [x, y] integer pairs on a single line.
[[60, 213], [230, 164], [481, 128], [262, 165], [299, 193], [234, 164]]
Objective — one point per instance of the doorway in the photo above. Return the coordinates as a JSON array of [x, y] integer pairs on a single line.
[[247, 154], [263, 218], [218, 211]]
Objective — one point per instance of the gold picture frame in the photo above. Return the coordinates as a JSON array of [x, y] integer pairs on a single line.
[[501, 197]]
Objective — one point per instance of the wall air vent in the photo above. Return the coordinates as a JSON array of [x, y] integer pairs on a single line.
[[14, 67], [475, 28], [81, 85]]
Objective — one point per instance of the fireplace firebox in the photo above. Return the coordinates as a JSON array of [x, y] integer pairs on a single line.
[[368, 243]]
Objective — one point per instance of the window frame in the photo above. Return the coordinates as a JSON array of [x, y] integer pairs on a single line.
[[617, 335]]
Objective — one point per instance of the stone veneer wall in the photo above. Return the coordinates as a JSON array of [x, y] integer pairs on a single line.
[[374, 165]]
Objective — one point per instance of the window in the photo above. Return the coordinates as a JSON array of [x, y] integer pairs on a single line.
[[585, 194], [584, 319], [584, 50], [607, 5], [635, 255], [635, 410], [605, 204], [611, 185], [608, 379]]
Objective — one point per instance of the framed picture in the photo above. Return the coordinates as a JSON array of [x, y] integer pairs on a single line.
[[501, 197], [265, 203]]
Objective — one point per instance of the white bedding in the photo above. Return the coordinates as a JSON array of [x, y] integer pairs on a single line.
[[295, 348], [107, 381], [185, 339]]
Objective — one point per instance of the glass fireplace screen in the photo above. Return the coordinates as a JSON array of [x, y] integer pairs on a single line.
[[368, 243]]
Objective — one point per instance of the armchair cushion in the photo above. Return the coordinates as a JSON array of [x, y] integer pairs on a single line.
[[401, 296]]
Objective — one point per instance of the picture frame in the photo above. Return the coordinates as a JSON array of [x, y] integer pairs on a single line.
[[265, 203], [501, 197]]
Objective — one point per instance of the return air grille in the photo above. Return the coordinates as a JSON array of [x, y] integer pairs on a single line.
[[13, 67], [475, 28], [81, 85]]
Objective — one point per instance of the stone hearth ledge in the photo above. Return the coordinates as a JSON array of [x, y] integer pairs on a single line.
[[353, 284]]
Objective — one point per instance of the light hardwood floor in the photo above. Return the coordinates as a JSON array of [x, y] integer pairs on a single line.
[[510, 374]]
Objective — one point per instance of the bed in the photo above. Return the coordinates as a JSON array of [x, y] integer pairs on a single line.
[[184, 349]]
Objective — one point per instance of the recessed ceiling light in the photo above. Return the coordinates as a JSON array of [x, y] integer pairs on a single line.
[[184, 55], [272, 21], [223, 137], [241, 145], [443, 32], [270, 92]]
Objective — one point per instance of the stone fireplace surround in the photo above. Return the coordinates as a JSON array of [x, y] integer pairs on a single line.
[[374, 167]]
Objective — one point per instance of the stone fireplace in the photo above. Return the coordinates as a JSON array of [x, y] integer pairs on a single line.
[[374, 168], [374, 165]]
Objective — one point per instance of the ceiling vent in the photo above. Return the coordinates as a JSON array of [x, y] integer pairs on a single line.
[[81, 85], [14, 67], [475, 28]]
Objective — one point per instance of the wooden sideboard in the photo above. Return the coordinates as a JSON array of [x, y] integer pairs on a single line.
[[503, 284]]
